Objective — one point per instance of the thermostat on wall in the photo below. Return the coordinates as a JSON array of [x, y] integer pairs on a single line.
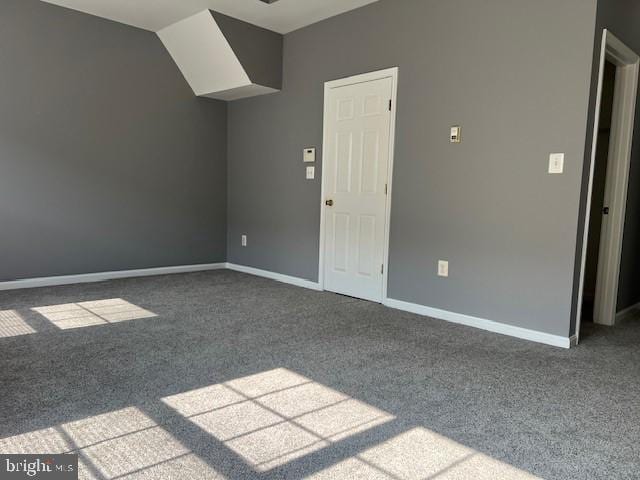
[[309, 155]]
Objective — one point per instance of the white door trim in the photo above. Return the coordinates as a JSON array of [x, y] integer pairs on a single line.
[[343, 82], [627, 63]]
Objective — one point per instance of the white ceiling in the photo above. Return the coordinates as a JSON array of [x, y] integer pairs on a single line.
[[282, 16]]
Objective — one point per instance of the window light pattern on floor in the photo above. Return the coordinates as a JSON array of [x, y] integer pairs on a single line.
[[421, 454], [12, 324], [272, 418], [268, 420], [86, 314], [124, 444]]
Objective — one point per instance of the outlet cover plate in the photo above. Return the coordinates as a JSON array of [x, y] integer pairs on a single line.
[[443, 268]]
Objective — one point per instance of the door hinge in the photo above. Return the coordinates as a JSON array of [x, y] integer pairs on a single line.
[[382, 269], [390, 103], [386, 188]]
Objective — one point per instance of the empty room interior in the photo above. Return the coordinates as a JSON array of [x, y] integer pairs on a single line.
[[319, 239]]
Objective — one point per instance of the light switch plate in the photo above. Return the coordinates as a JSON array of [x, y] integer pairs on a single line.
[[443, 268], [311, 173], [309, 155], [556, 163], [244, 240]]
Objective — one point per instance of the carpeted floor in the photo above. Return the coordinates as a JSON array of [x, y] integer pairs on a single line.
[[225, 375]]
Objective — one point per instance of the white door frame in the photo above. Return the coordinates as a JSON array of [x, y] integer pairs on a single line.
[[343, 82], [621, 139]]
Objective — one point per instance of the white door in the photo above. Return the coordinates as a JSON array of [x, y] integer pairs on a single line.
[[356, 171]]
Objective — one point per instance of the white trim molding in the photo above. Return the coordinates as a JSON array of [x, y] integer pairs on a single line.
[[483, 324], [470, 321], [278, 277], [102, 276], [627, 65], [618, 167]]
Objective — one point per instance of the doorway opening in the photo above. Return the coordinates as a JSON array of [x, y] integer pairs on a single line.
[[608, 183], [599, 208]]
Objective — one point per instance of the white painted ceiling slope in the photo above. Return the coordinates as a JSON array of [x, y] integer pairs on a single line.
[[282, 16]]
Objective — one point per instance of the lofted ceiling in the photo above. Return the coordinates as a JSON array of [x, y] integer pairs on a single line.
[[282, 16]]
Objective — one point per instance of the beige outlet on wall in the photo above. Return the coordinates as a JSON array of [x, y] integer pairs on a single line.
[[443, 268], [244, 240]]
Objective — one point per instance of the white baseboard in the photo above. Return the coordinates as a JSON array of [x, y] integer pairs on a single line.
[[633, 309], [102, 276], [299, 282], [489, 325], [481, 323]]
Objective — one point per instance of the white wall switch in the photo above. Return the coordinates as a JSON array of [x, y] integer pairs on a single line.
[[556, 163], [443, 268], [244, 240], [456, 134], [309, 155], [311, 173]]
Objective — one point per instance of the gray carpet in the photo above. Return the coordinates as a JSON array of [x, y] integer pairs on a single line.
[[225, 375]]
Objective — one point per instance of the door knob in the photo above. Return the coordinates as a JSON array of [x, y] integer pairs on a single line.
[[329, 203]]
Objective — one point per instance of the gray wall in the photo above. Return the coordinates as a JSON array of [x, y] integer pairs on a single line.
[[258, 50], [622, 17], [107, 160], [514, 73]]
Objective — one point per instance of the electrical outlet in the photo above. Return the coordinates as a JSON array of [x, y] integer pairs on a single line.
[[244, 240], [443, 268]]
